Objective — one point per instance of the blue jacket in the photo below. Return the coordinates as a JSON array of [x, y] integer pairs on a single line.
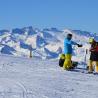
[[68, 46]]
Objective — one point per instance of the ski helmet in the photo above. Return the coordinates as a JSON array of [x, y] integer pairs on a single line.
[[91, 40], [69, 36]]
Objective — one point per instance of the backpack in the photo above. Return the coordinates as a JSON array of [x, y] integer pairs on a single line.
[[61, 60]]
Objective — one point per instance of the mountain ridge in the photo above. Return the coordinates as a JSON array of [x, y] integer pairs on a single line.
[[46, 43]]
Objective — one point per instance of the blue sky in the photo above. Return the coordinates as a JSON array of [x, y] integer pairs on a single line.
[[72, 14]]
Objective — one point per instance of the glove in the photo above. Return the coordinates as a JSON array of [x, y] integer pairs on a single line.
[[79, 45]]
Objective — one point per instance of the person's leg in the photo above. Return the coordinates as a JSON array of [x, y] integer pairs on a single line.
[[90, 66], [96, 67], [67, 63]]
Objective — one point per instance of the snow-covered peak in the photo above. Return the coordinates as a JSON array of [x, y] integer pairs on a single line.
[[50, 40]]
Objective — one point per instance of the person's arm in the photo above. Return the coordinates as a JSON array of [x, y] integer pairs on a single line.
[[74, 43], [93, 48]]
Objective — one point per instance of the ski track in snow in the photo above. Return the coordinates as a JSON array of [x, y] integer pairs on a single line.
[[36, 78]]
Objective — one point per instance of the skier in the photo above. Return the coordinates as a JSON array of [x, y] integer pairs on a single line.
[[68, 51], [93, 56]]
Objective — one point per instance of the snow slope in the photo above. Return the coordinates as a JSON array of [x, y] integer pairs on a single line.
[[35, 78], [46, 43]]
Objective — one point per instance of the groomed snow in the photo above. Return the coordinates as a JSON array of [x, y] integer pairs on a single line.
[[36, 78]]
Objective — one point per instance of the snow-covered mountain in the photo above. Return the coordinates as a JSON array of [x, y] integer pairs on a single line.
[[45, 43]]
